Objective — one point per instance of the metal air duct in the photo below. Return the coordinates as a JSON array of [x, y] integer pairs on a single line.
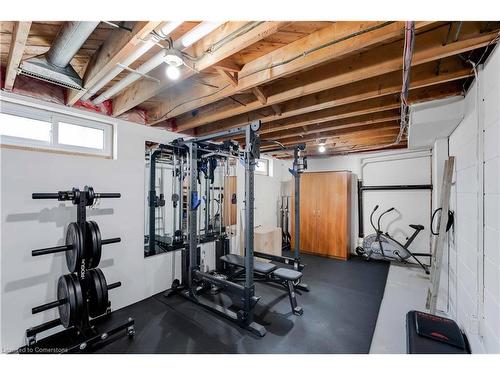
[[54, 65]]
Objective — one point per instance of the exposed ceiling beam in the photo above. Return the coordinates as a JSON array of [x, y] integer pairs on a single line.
[[230, 115], [334, 42], [114, 50], [143, 90], [231, 77], [16, 51], [373, 63], [366, 120], [331, 114], [357, 129], [277, 110], [354, 115], [259, 94], [228, 65]]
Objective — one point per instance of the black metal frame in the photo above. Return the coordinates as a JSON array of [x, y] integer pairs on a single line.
[[194, 281], [83, 333], [296, 171], [361, 188], [235, 274]]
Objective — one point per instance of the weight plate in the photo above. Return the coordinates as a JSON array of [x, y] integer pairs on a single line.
[[104, 286], [65, 290], [96, 250], [90, 195], [79, 297], [90, 243], [75, 255], [68, 288], [95, 293]]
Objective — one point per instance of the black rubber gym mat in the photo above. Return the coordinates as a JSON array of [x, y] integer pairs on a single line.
[[340, 313]]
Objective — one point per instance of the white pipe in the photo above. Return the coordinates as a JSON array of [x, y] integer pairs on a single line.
[[163, 30], [145, 68], [198, 32], [393, 157]]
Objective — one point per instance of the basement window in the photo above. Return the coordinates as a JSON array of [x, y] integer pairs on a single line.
[[262, 167], [25, 126], [80, 136], [14, 128]]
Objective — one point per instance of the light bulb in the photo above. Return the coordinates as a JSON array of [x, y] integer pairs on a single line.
[[321, 148], [173, 72]]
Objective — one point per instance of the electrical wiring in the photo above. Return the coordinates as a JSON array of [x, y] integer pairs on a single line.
[[409, 43], [281, 63]]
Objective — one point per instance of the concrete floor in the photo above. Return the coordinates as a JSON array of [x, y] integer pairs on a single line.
[[405, 290]]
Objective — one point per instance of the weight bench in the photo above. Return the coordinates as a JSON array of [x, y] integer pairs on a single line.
[[269, 272]]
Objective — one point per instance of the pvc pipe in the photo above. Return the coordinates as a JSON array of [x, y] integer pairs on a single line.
[[145, 68], [163, 30]]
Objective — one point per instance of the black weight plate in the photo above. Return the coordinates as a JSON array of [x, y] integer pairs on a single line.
[[65, 290], [97, 250], [79, 297], [104, 287], [95, 293], [74, 239], [90, 244]]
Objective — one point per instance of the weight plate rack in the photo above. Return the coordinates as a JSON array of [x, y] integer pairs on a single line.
[[82, 295]]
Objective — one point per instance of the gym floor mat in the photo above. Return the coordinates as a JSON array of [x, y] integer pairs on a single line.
[[340, 313]]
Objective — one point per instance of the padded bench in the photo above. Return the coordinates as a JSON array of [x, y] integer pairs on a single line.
[[239, 261], [271, 272]]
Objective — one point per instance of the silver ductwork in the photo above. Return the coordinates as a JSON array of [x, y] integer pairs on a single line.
[[54, 65]]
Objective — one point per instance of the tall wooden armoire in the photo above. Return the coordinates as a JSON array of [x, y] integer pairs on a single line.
[[325, 214]]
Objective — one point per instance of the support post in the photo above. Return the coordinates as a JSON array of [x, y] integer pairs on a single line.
[[193, 202], [250, 152], [296, 208]]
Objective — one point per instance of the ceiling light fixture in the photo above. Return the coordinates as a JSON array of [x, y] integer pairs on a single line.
[[174, 61], [321, 148], [173, 72]]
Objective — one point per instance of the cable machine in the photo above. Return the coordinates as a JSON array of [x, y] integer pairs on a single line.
[[195, 282]]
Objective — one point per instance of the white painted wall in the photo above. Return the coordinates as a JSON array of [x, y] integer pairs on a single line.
[[433, 120], [413, 207], [472, 270], [28, 224], [267, 189]]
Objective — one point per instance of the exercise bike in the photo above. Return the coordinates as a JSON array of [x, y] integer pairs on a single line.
[[382, 246]]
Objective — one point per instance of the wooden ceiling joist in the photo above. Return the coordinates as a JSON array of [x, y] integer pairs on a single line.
[[338, 80], [143, 90], [114, 50], [366, 120], [389, 133], [356, 130], [16, 51], [352, 115], [218, 117], [259, 94], [373, 63], [335, 42], [231, 77]]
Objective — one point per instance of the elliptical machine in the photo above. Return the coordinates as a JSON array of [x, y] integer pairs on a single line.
[[382, 246]]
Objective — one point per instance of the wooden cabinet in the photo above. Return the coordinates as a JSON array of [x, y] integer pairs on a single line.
[[325, 214]]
